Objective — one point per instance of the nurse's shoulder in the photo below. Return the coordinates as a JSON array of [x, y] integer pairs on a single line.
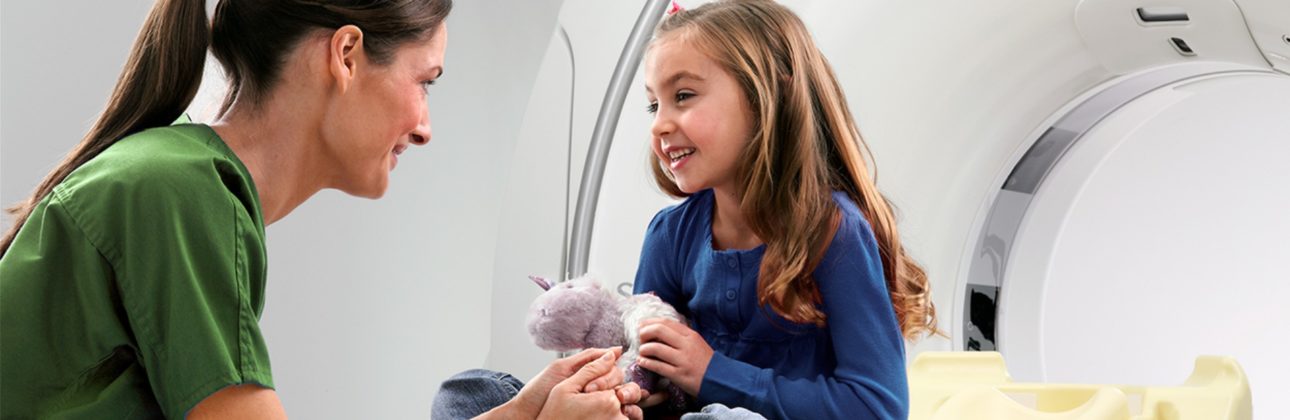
[[182, 174], [180, 165]]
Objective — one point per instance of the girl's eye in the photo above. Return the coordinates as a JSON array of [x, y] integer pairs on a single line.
[[652, 108], [425, 86], [682, 96]]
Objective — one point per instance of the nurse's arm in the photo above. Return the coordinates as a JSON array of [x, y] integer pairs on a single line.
[[240, 402]]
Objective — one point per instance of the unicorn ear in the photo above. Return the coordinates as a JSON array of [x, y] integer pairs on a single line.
[[541, 282]]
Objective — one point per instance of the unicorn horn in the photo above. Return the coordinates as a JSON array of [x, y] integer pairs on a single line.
[[541, 282]]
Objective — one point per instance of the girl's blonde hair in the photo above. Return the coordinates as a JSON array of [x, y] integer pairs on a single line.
[[804, 145]]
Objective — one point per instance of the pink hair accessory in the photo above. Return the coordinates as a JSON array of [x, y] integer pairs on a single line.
[[675, 8]]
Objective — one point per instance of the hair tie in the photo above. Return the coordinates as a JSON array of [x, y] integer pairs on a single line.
[[674, 9]]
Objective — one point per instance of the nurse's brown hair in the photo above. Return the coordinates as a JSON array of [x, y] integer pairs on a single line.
[[250, 38], [804, 145]]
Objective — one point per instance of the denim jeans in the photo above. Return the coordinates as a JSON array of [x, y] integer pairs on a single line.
[[473, 392], [716, 411]]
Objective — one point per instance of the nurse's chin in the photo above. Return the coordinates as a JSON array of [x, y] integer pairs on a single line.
[[373, 196], [373, 189]]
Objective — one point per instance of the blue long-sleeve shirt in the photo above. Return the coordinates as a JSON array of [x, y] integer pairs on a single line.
[[853, 368]]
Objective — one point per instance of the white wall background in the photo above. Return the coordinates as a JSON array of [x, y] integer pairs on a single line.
[[58, 63]]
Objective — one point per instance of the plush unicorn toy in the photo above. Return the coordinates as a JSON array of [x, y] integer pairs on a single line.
[[579, 314]]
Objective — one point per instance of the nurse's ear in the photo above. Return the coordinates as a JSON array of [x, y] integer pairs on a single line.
[[345, 56]]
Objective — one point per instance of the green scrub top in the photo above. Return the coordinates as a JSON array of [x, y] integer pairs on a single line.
[[135, 289]]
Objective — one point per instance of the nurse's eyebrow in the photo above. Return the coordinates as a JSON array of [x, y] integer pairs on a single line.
[[683, 74]]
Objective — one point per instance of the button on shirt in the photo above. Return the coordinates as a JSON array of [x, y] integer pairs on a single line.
[[852, 368]]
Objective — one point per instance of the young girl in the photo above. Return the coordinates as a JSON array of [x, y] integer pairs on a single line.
[[784, 255]]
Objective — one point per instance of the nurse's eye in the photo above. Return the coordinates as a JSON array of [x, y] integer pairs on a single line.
[[652, 108], [425, 85]]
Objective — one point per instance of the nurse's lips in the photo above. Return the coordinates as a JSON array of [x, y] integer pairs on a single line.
[[394, 155]]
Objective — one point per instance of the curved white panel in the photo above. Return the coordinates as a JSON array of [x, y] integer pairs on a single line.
[[1162, 235], [1269, 22], [531, 219], [1212, 30], [949, 95]]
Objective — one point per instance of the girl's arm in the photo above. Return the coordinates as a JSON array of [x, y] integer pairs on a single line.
[[869, 380], [656, 272]]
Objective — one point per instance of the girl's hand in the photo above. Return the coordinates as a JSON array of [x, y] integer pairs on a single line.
[[675, 351], [630, 395], [649, 400]]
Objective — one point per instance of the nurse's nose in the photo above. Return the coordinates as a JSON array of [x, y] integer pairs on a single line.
[[421, 134]]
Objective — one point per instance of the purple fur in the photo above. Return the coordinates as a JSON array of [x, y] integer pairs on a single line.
[[643, 378], [679, 400], [580, 314], [574, 315]]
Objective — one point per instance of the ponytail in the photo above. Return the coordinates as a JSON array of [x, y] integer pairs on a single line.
[[160, 78]]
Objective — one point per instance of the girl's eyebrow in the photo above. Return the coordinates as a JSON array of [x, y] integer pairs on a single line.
[[683, 74]]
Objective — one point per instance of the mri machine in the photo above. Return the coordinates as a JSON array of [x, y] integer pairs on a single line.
[[1098, 188]]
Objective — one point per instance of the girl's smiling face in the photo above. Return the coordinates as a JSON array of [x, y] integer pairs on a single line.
[[702, 120]]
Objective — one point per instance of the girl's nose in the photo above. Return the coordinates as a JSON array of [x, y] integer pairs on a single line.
[[662, 126]]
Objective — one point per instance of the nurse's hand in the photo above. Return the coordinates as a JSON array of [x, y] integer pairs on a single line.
[[533, 396], [568, 400], [676, 352]]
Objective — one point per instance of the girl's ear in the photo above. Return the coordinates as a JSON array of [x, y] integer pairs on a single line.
[[344, 51], [541, 282]]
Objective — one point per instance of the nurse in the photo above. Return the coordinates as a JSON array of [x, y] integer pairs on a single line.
[[132, 280]]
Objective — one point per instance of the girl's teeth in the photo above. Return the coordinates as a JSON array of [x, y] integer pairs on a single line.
[[680, 154]]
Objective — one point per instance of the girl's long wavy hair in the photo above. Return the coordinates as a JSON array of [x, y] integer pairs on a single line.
[[250, 38], [804, 145]]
